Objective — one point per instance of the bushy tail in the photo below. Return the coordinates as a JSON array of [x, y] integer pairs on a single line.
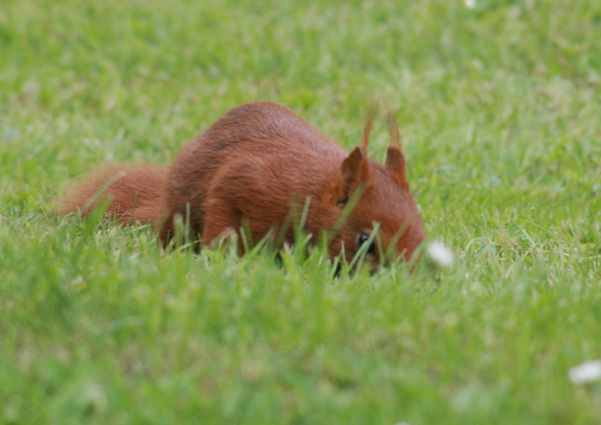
[[133, 193]]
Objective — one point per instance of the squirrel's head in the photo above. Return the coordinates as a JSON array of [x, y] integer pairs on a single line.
[[376, 210]]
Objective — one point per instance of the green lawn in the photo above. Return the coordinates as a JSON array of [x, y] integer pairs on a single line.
[[500, 107]]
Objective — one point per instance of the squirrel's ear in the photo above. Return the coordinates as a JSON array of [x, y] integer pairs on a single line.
[[395, 160], [354, 172], [395, 165]]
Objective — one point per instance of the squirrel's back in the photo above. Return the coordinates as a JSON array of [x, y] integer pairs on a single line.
[[260, 153]]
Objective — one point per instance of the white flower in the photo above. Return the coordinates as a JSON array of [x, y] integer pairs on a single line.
[[470, 4], [585, 372], [440, 254]]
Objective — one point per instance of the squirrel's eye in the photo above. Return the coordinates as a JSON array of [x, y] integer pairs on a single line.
[[363, 238]]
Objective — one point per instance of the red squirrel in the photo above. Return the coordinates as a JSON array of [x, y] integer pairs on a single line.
[[245, 172]]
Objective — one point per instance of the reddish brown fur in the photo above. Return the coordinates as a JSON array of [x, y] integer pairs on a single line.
[[248, 167]]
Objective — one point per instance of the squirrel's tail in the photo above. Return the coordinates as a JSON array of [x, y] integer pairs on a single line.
[[133, 193]]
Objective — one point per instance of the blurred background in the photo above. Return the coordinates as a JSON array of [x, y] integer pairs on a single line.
[[499, 105]]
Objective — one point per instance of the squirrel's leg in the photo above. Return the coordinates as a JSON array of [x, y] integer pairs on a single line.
[[165, 228], [222, 221]]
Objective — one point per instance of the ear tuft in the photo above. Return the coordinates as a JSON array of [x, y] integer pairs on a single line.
[[393, 130], [369, 120]]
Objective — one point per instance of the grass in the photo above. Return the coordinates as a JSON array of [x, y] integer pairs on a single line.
[[499, 106]]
